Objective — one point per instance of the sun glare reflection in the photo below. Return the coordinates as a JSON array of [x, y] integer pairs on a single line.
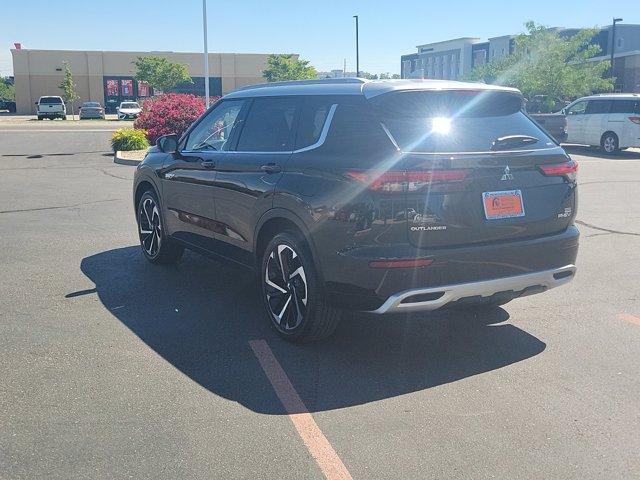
[[441, 125]]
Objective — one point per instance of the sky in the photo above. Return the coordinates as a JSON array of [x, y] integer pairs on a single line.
[[321, 31]]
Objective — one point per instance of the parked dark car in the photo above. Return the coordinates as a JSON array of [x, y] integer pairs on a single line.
[[383, 196], [8, 105], [91, 110]]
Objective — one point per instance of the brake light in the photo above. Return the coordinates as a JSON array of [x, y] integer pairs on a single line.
[[411, 181], [569, 170], [403, 263], [635, 120]]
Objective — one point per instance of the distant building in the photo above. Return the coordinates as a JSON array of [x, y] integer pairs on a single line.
[[107, 77], [452, 59]]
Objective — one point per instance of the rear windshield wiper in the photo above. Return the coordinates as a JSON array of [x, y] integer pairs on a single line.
[[508, 141]]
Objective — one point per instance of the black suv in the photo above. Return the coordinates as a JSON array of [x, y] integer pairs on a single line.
[[383, 196]]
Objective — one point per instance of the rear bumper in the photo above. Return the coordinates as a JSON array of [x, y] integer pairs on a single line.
[[350, 283], [92, 115], [516, 286]]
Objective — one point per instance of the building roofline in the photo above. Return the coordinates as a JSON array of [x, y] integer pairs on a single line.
[[147, 52], [448, 41]]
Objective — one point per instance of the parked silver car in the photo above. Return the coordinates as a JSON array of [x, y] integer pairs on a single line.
[[91, 110]]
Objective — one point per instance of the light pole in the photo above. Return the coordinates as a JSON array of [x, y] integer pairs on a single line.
[[357, 49], [206, 54], [613, 40]]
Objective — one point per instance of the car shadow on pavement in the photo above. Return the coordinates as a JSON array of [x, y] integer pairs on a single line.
[[200, 315]]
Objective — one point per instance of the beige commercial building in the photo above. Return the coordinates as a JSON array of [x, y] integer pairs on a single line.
[[107, 77]]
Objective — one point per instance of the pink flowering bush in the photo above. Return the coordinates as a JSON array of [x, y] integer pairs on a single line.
[[169, 113]]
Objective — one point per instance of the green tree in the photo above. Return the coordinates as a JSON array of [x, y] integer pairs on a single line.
[[546, 63], [287, 67], [7, 89], [68, 88], [160, 73]]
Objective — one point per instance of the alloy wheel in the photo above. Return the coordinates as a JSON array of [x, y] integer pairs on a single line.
[[609, 144], [285, 287], [150, 227]]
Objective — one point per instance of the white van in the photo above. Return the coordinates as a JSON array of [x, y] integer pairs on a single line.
[[610, 121]]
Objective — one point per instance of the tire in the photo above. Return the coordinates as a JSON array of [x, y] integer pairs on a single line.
[[156, 246], [291, 292], [40, 117], [64, 117], [609, 143]]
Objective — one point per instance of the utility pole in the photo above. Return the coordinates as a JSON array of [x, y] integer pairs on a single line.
[[206, 53], [613, 41], [357, 49]]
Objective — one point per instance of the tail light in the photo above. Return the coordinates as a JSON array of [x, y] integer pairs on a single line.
[[401, 181], [569, 170], [635, 120]]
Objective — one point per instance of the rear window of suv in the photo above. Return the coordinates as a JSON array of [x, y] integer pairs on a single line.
[[51, 100], [454, 120]]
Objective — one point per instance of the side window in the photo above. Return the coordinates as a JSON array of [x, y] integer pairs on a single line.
[[313, 115], [623, 106], [213, 132], [356, 133], [598, 107], [268, 125], [577, 108]]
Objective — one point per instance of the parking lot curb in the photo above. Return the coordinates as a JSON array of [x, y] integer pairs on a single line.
[[118, 157]]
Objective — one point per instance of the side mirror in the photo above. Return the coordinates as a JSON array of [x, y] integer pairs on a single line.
[[168, 143], [563, 111], [35, 103]]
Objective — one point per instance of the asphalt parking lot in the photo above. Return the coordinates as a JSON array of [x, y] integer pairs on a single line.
[[114, 368]]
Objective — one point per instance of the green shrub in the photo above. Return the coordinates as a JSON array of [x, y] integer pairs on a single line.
[[127, 139]]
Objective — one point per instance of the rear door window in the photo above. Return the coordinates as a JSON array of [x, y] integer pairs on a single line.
[[269, 125], [598, 107], [625, 106], [455, 120]]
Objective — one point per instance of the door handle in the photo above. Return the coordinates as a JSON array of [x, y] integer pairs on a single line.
[[271, 168], [208, 164]]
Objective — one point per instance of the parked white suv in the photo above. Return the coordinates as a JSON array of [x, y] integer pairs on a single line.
[[51, 107], [610, 121]]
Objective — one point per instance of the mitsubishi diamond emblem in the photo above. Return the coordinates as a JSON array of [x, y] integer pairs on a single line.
[[507, 174]]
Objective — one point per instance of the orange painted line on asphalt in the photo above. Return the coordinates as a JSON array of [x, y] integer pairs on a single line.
[[307, 428], [629, 318]]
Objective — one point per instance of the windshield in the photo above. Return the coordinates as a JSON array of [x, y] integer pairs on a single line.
[[454, 120], [90, 104], [130, 105]]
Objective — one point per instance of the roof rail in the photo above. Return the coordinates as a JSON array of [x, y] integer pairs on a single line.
[[318, 81]]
